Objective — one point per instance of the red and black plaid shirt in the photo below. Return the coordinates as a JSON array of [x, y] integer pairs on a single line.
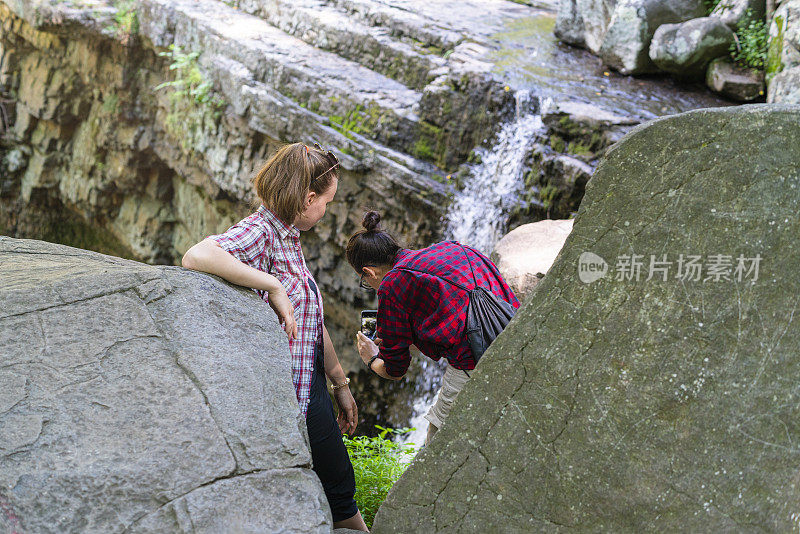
[[421, 309]]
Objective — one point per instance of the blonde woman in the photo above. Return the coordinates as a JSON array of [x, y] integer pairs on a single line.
[[263, 252]]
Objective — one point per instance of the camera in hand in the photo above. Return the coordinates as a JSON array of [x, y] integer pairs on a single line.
[[369, 323]]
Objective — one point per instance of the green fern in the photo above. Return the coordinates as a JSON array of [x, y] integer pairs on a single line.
[[191, 97], [378, 463], [750, 46], [353, 122]]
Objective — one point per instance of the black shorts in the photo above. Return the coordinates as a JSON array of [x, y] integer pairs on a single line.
[[331, 461]]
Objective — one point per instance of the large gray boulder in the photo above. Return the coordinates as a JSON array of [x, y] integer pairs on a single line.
[[144, 399], [584, 22], [623, 403], [633, 23], [687, 48], [785, 87]]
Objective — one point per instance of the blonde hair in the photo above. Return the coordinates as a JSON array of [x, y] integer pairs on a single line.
[[290, 174]]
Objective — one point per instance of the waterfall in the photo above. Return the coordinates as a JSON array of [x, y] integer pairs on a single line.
[[476, 217], [427, 384]]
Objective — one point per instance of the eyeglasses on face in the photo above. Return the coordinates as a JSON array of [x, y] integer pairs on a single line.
[[363, 283]]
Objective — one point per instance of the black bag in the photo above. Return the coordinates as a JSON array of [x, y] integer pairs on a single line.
[[487, 315]]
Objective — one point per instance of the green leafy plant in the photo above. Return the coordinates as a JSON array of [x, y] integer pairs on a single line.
[[190, 91], [711, 5], [378, 462], [749, 49], [423, 150], [353, 122], [126, 21], [189, 80]]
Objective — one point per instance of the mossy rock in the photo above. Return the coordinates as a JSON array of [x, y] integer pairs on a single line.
[[430, 143], [636, 405], [774, 64]]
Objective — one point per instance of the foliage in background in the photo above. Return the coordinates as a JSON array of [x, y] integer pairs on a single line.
[[350, 123], [749, 49], [712, 4], [126, 21], [189, 80], [378, 462], [774, 64], [191, 97]]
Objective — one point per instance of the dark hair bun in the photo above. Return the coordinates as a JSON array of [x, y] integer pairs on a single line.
[[372, 221]]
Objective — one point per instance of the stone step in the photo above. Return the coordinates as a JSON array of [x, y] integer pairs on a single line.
[[444, 23], [393, 174], [403, 20], [439, 124], [328, 27], [355, 99]]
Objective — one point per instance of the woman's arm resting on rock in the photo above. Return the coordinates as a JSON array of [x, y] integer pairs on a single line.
[[207, 256], [348, 411]]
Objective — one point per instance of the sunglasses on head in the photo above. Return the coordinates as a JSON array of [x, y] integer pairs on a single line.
[[330, 155]]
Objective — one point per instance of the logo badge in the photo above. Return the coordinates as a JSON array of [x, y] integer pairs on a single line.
[[591, 267]]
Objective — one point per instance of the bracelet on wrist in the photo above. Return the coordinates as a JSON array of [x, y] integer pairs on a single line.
[[342, 385]]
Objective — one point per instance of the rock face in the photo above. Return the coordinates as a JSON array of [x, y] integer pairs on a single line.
[[633, 23], [586, 130], [735, 82], [93, 155], [525, 254], [144, 399], [783, 57], [628, 404], [686, 49], [627, 37], [584, 22], [576, 136]]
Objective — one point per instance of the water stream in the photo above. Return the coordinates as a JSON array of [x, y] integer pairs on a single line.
[[477, 215]]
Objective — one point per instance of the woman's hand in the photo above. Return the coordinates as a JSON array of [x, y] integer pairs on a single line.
[[282, 306], [366, 347], [348, 411]]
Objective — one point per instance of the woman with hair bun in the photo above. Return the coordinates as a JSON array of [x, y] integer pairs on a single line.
[[263, 252], [422, 302]]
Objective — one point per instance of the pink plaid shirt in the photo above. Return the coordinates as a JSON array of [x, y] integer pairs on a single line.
[[266, 243]]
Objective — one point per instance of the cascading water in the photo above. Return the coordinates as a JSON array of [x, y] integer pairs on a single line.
[[477, 215], [477, 218]]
